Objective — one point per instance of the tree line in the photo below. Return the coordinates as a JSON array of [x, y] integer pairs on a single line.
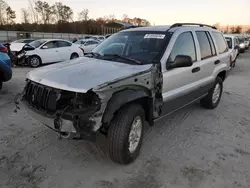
[[58, 17]]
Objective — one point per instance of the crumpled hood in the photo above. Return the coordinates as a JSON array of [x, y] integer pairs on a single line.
[[82, 74], [16, 47]]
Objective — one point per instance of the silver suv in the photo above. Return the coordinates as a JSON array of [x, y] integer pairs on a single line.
[[135, 76]]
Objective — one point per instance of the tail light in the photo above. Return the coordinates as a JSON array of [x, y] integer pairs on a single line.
[[4, 50]]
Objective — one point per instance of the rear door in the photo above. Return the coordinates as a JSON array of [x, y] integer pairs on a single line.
[[64, 49], [207, 60], [222, 50]]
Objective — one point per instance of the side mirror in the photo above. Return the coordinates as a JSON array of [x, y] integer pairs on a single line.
[[45, 47], [28, 48], [180, 61]]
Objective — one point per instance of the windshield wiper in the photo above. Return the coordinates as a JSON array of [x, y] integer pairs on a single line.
[[123, 58]]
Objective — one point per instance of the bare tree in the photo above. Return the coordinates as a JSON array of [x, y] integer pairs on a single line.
[[34, 14], [83, 15], [11, 15], [238, 29], [111, 17], [25, 15], [63, 12], [248, 31], [3, 7], [45, 11]]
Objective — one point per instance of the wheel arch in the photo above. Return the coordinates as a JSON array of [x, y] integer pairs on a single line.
[[222, 75], [126, 97]]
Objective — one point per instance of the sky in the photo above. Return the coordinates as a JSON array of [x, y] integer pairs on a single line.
[[159, 12]]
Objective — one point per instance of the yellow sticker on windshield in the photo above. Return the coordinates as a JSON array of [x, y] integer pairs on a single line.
[[154, 36]]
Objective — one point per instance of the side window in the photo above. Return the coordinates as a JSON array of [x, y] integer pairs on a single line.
[[229, 42], [50, 44], [220, 42], [61, 44], [205, 46], [184, 45], [211, 43]]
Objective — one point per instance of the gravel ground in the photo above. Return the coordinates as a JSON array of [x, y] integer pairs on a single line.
[[193, 147]]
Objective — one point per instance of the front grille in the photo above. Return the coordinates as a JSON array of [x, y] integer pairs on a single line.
[[41, 97]]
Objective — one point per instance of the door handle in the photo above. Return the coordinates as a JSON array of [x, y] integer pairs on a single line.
[[217, 62], [196, 69]]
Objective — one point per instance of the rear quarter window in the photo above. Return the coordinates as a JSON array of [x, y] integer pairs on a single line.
[[220, 42]]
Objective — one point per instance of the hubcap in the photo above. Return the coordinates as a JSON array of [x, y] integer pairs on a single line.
[[34, 62], [135, 134], [216, 93]]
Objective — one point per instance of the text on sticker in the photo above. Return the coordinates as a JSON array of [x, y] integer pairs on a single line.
[[154, 36]]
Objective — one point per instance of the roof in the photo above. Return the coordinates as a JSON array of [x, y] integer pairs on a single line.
[[165, 28], [124, 24], [150, 28]]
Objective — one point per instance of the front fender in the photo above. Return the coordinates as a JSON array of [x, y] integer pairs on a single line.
[[119, 99]]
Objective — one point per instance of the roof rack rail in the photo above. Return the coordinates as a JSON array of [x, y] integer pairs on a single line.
[[201, 25]]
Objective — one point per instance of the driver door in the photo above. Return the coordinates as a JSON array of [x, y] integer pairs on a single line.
[[178, 83], [49, 52]]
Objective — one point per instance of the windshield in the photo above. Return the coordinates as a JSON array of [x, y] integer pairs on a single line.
[[37, 43], [142, 46], [229, 42]]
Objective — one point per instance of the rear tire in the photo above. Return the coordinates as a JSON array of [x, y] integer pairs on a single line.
[[125, 134], [34, 61], [74, 56], [213, 97]]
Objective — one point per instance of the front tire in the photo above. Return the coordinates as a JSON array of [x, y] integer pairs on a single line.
[[125, 134], [213, 97], [34, 61]]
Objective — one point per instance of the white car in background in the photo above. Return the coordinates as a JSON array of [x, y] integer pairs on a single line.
[[233, 45], [51, 51], [87, 45]]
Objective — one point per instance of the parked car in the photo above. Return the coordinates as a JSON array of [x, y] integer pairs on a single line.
[[242, 44], [51, 51], [26, 41], [101, 38], [247, 42], [87, 44], [136, 75], [5, 66], [233, 46]]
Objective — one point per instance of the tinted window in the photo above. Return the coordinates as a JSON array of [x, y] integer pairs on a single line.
[[229, 42], [184, 45], [51, 44], [220, 42], [205, 47], [63, 44]]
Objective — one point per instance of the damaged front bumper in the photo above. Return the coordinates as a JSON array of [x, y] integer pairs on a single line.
[[67, 113]]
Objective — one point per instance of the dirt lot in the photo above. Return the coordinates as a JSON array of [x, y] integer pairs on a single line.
[[191, 148]]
